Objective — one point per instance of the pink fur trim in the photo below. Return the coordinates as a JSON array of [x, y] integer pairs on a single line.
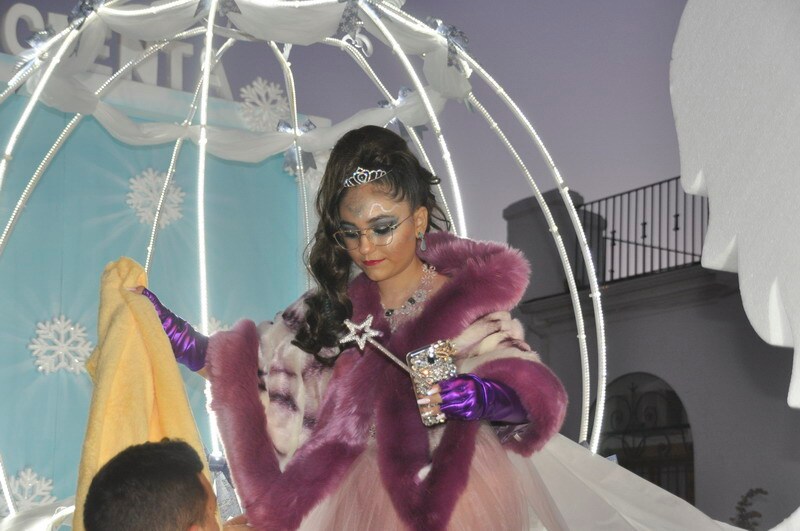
[[339, 437], [425, 505], [271, 499], [232, 363], [484, 278], [541, 393]]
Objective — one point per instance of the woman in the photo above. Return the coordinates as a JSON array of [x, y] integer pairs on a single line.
[[320, 436]]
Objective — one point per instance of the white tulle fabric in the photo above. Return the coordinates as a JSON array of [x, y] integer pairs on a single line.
[[69, 88], [288, 23], [245, 146], [562, 487], [141, 22], [571, 488], [493, 499]]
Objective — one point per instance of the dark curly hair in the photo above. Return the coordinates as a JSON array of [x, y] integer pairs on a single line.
[[370, 147]]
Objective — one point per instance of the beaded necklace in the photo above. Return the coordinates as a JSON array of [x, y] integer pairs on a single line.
[[413, 305]]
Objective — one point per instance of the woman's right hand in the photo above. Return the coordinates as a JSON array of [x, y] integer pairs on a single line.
[[188, 345]]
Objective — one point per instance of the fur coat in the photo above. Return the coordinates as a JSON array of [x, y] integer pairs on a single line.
[[292, 427]]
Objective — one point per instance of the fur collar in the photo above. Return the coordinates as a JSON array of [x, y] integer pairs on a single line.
[[484, 278]]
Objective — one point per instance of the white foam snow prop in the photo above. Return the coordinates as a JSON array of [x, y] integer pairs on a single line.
[[41, 517], [790, 524], [734, 81]]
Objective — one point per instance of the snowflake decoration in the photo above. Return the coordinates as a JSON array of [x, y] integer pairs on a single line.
[[145, 190], [28, 490], [58, 345], [264, 105]]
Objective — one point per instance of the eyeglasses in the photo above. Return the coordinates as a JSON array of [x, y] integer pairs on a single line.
[[380, 235]]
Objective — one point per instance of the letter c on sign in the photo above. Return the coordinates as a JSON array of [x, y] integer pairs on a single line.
[[16, 13]]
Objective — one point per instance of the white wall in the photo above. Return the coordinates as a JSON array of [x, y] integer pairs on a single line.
[[688, 328]]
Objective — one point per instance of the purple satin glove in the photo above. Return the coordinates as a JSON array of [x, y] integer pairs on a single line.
[[188, 345], [469, 397]]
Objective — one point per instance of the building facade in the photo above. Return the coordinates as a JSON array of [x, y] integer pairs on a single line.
[[682, 325]]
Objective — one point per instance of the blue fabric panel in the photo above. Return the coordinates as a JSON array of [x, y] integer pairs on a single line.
[[77, 220]]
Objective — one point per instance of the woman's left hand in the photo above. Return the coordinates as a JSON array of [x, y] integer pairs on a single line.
[[429, 405], [470, 397], [459, 397]]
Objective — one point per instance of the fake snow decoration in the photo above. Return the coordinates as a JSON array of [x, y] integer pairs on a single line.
[[145, 190], [313, 176], [263, 105], [214, 326], [60, 345], [27, 490]]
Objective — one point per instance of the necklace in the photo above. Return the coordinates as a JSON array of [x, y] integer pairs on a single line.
[[413, 305]]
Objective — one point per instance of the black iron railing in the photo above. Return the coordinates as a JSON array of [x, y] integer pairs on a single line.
[[648, 431], [647, 230]]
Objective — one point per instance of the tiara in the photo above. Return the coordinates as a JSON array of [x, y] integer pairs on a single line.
[[363, 176]]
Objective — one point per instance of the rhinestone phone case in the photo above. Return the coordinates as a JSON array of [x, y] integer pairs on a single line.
[[431, 364]]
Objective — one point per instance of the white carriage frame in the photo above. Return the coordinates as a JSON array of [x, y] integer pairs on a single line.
[[50, 53]]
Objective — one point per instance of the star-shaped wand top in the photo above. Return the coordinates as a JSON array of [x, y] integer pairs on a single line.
[[360, 333]]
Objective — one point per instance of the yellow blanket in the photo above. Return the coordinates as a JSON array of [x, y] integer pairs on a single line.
[[138, 394]]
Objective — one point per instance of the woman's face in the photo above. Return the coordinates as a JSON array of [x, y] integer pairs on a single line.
[[368, 206]]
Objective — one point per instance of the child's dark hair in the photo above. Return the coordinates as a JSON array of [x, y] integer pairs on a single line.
[[153, 486]]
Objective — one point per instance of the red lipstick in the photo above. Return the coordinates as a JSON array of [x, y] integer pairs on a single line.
[[370, 263]]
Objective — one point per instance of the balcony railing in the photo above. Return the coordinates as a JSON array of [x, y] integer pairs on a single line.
[[647, 230]]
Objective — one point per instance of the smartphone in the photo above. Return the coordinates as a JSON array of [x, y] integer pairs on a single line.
[[430, 364]]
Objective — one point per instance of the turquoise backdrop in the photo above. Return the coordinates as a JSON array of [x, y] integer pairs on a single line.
[[79, 218]]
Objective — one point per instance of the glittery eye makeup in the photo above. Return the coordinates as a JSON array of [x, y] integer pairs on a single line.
[[374, 223]]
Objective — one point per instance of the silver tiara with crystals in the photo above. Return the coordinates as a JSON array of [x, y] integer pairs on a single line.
[[363, 176]]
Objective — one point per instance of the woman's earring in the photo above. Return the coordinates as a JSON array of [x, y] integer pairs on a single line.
[[422, 246]]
